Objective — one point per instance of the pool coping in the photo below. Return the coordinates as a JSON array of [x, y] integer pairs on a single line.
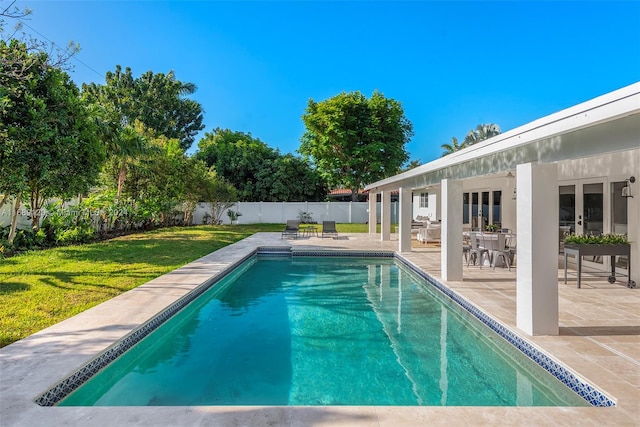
[[68, 384], [33, 365]]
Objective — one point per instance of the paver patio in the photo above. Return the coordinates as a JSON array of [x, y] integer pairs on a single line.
[[599, 341]]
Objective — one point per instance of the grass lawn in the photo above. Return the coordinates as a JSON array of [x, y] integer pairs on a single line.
[[41, 288]]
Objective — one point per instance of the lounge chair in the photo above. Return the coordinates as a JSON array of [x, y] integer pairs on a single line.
[[291, 229], [329, 229], [429, 234]]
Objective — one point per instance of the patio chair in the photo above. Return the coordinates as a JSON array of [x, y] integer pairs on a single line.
[[466, 247], [329, 229], [291, 229], [477, 252], [507, 253]]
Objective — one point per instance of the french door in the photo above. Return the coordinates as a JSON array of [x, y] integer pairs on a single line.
[[481, 208], [582, 211]]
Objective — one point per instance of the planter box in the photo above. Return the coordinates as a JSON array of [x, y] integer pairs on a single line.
[[591, 249]]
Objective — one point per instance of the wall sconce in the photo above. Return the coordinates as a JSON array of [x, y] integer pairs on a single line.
[[626, 190]]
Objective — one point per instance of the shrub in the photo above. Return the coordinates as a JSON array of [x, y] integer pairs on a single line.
[[591, 239], [78, 234]]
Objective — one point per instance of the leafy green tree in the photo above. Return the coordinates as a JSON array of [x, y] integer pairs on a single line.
[[48, 145], [195, 181], [290, 179], [259, 172], [354, 140], [158, 100], [237, 157], [220, 193]]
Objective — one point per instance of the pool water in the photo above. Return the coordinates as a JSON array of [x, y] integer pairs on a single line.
[[323, 331]]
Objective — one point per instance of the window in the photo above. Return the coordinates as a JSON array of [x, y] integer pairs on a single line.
[[465, 208], [424, 200], [497, 211]]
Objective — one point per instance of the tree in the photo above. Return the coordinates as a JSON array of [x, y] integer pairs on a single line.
[[220, 193], [259, 172], [480, 133], [411, 165], [126, 146], [354, 140], [48, 143], [237, 157], [451, 148], [17, 67], [290, 179], [195, 179], [157, 100]]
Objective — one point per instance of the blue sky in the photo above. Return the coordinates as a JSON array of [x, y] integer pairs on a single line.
[[451, 64]]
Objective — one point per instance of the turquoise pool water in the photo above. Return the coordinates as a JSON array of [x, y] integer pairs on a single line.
[[323, 331]]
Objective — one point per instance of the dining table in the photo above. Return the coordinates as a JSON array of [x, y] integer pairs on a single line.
[[492, 241]]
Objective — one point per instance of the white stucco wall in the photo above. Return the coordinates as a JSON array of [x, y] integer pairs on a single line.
[[433, 211]]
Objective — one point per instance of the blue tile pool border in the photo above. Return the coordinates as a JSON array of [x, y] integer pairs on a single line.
[[585, 390], [63, 388]]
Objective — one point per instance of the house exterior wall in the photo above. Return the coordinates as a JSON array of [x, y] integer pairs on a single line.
[[433, 211]]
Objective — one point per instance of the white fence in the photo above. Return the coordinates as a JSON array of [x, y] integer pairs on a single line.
[[280, 212], [257, 212]]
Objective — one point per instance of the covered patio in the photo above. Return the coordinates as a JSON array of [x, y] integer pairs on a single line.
[[596, 143]]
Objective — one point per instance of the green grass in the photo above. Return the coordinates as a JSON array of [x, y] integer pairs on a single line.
[[41, 288]]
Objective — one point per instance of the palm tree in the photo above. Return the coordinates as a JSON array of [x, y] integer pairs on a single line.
[[128, 145], [481, 132], [411, 165], [450, 148]]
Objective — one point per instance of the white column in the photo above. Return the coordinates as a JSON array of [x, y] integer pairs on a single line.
[[404, 220], [385, 220], [537, 246], [373, 212], [451, 230]]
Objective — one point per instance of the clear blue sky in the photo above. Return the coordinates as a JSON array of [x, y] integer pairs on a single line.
[[451, 64]]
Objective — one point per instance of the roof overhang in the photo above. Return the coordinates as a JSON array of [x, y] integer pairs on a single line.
[[606, 124]]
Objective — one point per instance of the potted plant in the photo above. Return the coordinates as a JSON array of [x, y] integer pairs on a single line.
[[492, 228], [233, 216]]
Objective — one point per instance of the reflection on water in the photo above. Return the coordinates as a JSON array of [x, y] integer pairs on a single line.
[[316, 331]]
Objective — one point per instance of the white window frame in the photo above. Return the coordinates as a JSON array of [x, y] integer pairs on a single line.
[[424, 200]]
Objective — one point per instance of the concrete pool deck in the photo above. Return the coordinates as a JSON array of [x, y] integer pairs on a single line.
[[599, 341]]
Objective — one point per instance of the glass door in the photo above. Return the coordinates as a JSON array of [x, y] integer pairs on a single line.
[[481, 208], [567, 217], [593, 208], [582, 211]]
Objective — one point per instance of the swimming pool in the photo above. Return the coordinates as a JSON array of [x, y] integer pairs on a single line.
[[323, 331]]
